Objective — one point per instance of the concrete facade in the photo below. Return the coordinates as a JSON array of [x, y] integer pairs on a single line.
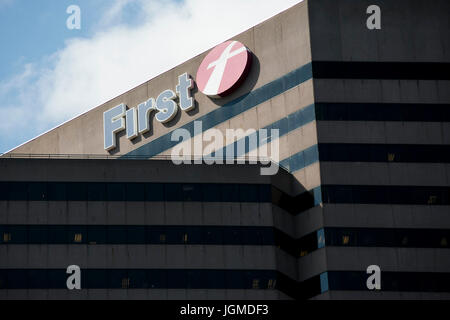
[[379, 98]]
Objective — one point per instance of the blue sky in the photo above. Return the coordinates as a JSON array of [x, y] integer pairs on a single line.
[[50, 74]]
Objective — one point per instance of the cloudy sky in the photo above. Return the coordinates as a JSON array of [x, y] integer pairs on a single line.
[[50, 74]]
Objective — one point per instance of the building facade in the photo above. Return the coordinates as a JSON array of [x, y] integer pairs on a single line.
[[362, 114]]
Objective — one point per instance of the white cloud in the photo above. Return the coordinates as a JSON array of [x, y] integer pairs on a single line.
[[88, 72]]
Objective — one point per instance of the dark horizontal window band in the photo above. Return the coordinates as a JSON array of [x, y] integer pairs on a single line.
[[204, 192], [96, 191], [384, 153], [381, 70], [391, 281], [387, 237], [140, 279], [382, 112], [418, 195], [296, 204], [161, 279], [162, 235]]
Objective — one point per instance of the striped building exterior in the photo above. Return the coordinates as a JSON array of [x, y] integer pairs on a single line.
[[364, 138]]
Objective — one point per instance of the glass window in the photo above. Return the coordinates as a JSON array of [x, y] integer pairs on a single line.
[[233, 235], [138, 279], [154, 192], [18, 191], [76, 191], [234, 279], [177, 279], [77, 234], [211, 192], [37, 279], [265, 193], [57, 279], [37, 191], [194, 234], [97, 192], [248, 193], [96, 279], [117, 235], [3, 279], [96, 234], [56, 191], [116, 191], [175, 235], [118, 279], [136, 234], [37, 234], [57, 235], [4, 187], [230, 193], [157, 278], [173, 191], [135, 192], [191, 192], [17, 279], [196, 279], [17, 235], [212, 235]]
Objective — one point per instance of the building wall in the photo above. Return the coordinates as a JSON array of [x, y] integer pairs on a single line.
[[361, 109], [326, 81]]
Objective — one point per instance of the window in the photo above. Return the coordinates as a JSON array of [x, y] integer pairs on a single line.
[[444, 242], [125, 283], [432, 200], [7, 237], [37, 191], [382, 112], [136, 234], [345, 240], [76, 191], [154, 192], [271, 284], [192, 192], [56, 191], [97, 192], [404, 240], [18, 191], [135, 192], [78, 238], [116, 191]]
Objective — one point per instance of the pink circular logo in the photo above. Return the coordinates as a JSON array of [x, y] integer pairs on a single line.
[[223, 69]]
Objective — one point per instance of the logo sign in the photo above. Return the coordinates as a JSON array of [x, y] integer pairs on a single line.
[[137, 120], [223, 69]]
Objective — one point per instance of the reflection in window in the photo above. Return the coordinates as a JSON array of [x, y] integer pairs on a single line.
[[162, 238], [6, 237], [271, 284], [432, 200], [405, 241], [444, 242], [391, 157], [345, 240], [125, 283], [78, 237], [255, 284]]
